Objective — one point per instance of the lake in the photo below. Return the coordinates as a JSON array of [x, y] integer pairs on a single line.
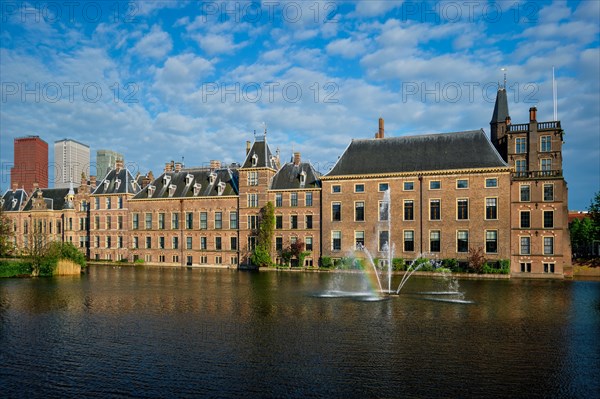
[[175, 332]]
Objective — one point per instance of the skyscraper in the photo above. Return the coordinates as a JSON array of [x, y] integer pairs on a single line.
[[105, 161], [71, 159], [30, 163]]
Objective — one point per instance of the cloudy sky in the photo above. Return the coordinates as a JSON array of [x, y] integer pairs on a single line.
[[173, 80]]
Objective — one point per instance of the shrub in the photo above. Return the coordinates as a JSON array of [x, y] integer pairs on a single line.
[[451, 264], [260, 257], [12, 268], [398, 264], [326, 262], [139, 261]]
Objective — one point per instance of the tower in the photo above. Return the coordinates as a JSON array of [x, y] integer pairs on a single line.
[[71, 159], [30, 163]]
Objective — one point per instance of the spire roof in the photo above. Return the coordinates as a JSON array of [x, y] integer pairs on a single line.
[[501, 107]]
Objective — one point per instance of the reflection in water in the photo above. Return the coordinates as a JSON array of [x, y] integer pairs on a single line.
[[159, 332]]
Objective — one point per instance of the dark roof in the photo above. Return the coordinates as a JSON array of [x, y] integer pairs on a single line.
[[459, 150], [185, 188], [55, 198], [501, 107], [264, 155], [127, 184], [288, 177], [12, 200]]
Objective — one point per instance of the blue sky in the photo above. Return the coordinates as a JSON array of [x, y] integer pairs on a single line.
[[166, 80]]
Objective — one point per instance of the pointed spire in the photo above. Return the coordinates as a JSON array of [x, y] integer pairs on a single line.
[[500, 107]]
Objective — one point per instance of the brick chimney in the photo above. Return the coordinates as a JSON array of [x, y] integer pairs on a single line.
[[214, 164], [532, 114], [297, 158], [93, 181], [178, 166], [248, 147], [15, 186], [35, 187], [381, 132], [118, 165], [168, 167]]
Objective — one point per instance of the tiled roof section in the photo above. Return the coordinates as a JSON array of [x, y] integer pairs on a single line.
[[13, 200], [262, 153], [459, 150], [192, 183], [55, 198], [501, 107], [289, 177], [117, 182]]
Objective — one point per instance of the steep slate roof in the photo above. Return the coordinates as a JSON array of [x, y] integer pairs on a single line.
[[459, 150], [8, 205], [500, 107], [54, 197], [127, 186], [264, 154], [185, 190], [288, 177]]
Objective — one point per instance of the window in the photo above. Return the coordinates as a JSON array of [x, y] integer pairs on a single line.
[[548, 219], [253, 178], [203, 243], [409, 186], [384, 211], [359, 211], [233, 220], [279, 243], [97, 242], [189, 260], [462, 241], [491, 208], [435, 185], [218, 244], [175, 242], [218, 220], [463, 209], [279, 222], [525, 193], [434, 241], [546, 144], [203, 220], [308, 199], [278, 200], [108, 202], [148, 221], [188, 242], [136, 242], [525, 246], [525, 219], [525, 267], [97, 203], [294, 222], [434, 209], [546, 166], [548, 192], [521, 145], [491, 183], [462, 183], [359, 188], [548, 245], [383, 186], [174, 221], [359, 239], [108, 244], [108, 222], [409, 241], [409, 210], [233, 243], [253, 222], [120, 222], [491, 241], [336, 211], [520, 166], [148, 242], [384, 239], [97, 223], [336, 240], [308, 243], [189, 220], [548, 267], [252, 200], [161, 221], [294, 199], [309, 222], [336, 189], [120, 202], [161, 242]]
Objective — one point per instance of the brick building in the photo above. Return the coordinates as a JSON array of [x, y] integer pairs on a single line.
[[30, 163]]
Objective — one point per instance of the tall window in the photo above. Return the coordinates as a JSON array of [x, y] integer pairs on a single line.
[[359, 239], [359, 211], [108, 202], [279, 222], [409, 210], [203, 243], [520, 165], [120, 201], [279, 200], [189, 220], [253, 222], [188, 242], [548, 192], [491, 208], [175, 242], [525, 246], [336, 240], [120, 222], [409, 241], [135, 220], [384, 239], [174, 221], [136, 242], [548, 245], [108, 222], [463, 209], [218, 243], [308, 243], [546, 143], [233, 243], [462, 241], [161, 242], [434, 209], [434, 241], [294, 222], [548, 219], [309, 222], [293, 199], [491, 241], [97, 203], [336, 211], [203, 220], [308, 199], [521, 145], [525, 193], [148, 221], [161, 221], [148, 242], [384, 211], [218, 220], [253, 178], [233, 220], [279, 243], [252, 200], [525, 219], [546, 166]]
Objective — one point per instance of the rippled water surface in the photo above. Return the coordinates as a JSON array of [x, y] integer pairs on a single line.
[[152, 332]]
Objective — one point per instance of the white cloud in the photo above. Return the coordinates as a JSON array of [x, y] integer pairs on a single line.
[[156, 44], [373, 8], [346, 48]]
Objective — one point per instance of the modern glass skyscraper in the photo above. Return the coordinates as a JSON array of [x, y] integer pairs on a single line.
[[71, 159]]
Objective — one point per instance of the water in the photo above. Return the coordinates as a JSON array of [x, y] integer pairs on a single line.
[[150, 332]]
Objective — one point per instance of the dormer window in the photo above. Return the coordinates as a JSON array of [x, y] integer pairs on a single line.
[[166, 180], [189, 179], [117, 184], [106, 183], [212, 177], [197, 188], [220, 188], [172, 189], [302, 178], [1, 202], [254, 160], [151, 190], [14, 202]]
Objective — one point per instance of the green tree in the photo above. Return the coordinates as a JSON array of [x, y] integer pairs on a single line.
[[594, 210], [262, 254], [6, 234]]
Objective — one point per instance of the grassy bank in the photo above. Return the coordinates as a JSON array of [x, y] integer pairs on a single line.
[[15, 268]]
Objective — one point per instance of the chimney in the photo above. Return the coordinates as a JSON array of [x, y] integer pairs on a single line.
[[15, 186], [168, 167], [248, 146], [178, 166], [507, 120], [147, 179], [381, 133], [214, 164], [93, 181], [532, 114], [296, 158], [119, 165], [83, 180], [35, 187]]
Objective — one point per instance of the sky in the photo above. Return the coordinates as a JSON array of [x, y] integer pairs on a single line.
[[193, 81]]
